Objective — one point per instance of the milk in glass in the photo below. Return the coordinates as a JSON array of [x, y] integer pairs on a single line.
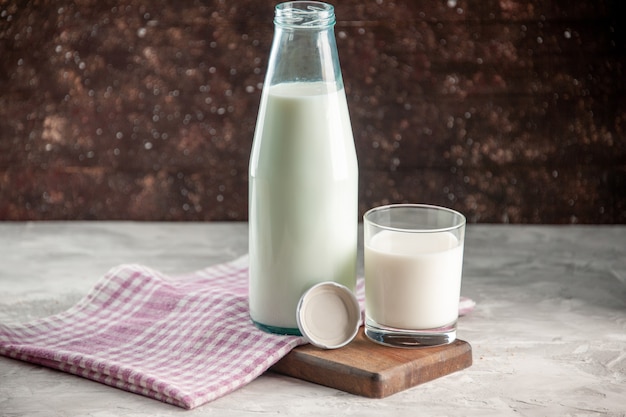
[[413, 280]]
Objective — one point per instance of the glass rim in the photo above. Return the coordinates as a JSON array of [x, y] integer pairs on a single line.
[[304, 14], [457, 225]]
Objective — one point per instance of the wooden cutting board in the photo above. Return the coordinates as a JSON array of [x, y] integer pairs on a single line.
[[371, 370]]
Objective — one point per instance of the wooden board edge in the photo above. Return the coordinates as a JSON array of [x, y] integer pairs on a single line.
[[370, 384], [323, 372]]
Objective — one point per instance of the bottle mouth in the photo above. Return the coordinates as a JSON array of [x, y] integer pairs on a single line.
[[304, 14]]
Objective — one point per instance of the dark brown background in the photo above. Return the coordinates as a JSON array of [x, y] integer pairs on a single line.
[[510, 111]]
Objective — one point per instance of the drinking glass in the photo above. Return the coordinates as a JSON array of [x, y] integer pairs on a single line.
[[413, 268]]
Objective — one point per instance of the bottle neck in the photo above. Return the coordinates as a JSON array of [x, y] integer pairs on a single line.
[[304, 47]]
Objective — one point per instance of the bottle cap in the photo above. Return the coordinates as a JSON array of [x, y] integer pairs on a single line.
[[329, 315]]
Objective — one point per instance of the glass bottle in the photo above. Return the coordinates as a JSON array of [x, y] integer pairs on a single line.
[[303, 189]]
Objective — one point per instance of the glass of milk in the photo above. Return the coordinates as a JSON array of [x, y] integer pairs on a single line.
[[413, 267]]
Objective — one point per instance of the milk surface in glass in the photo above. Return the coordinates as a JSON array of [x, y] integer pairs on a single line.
[[413, 280], [303, 198]]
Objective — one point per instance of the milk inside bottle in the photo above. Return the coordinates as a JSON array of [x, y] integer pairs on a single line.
[[303, 190]]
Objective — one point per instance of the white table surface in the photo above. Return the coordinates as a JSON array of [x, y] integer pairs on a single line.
[[548, 333]]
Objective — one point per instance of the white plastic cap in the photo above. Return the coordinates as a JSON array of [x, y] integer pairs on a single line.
[[329, 315]]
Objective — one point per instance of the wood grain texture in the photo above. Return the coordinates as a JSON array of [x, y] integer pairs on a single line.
[[371, 370]]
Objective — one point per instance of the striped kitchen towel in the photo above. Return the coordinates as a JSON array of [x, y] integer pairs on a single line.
[[185, 341]]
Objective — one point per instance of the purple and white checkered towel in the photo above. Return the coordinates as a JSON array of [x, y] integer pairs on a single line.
[[186, 340]]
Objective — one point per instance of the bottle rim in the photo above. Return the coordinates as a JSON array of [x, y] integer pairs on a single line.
[[304, 14]]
